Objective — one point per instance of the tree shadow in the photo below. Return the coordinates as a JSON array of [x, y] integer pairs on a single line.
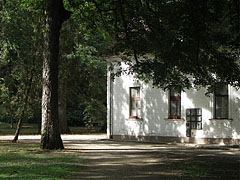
[[131, 160]]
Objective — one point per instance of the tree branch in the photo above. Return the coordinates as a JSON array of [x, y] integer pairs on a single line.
[[65, 14]]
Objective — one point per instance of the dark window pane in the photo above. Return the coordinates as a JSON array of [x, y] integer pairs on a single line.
[[221, 102], [224, 112], [221, 89], [193, 118], [175, 104], [193, 112]]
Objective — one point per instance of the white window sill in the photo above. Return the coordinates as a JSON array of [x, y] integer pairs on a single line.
[[221, 120], [169, 119]]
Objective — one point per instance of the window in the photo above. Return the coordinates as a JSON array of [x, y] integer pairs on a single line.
[[194, 118], [135, 103], [221, 101], [175, 104]]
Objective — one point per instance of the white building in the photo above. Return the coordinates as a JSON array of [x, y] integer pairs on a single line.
[[136, 111]]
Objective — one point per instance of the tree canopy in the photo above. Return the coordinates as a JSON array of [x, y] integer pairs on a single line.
[[191, 42]]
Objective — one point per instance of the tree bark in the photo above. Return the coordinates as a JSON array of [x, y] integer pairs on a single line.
[[55, 15]]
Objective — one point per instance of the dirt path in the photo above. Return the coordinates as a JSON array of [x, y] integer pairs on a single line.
[[105, 159]]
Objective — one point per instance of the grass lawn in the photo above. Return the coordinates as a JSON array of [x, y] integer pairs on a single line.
[[33, 129], [26, 161], [27, 129]]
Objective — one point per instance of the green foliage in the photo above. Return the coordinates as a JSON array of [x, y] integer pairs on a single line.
[[87, 85], [83, 73], [89, 27], [192, 43], [21, 36], [94, 113], [75, 116], [20, 58]]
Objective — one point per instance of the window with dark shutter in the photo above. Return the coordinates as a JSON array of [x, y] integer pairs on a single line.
[[174, 104], [135, 103], [221, 101]]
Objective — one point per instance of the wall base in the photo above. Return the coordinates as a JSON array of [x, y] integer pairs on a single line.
[[164, 139]]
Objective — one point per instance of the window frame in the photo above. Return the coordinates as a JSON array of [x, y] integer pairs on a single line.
[[194, 118], [136, 100], [222, 96], [178, 108]]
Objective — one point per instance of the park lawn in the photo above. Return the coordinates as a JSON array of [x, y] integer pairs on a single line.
[[27, 161], [33, 129], [27, 129]]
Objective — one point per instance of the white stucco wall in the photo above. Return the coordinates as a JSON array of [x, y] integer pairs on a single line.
[[154, 112]]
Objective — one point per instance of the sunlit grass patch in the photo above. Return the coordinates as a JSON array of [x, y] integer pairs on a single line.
[[27, 161], [36, 170]]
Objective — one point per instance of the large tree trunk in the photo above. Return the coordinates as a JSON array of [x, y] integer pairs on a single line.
[[62, 109], [55, 15]]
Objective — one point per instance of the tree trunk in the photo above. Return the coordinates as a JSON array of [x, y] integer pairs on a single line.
[[19, 125], [62, 109], [55, 15], [22, 112]]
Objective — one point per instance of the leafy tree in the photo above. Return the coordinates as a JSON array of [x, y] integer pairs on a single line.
[[19, 61], [82, 74], [66, 47], [87, 84], [192, 43]]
